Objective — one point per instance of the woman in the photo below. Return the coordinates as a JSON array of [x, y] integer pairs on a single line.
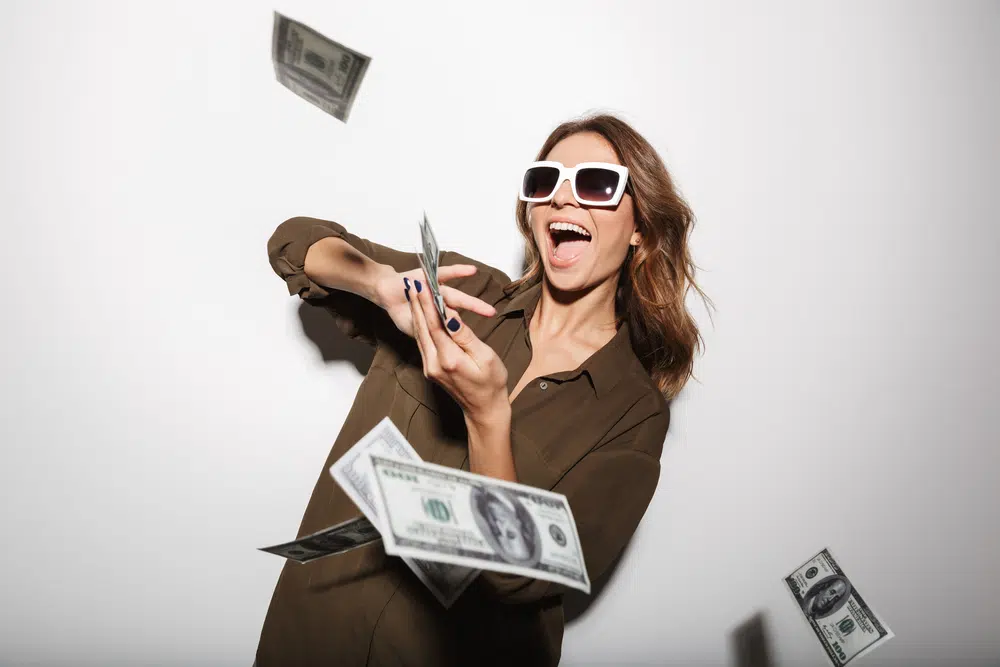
[[559, 380]]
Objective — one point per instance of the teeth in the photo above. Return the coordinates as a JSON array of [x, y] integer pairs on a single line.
[[569, 227]]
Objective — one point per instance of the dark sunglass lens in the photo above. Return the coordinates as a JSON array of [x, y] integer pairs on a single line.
[[540, 181], [597, 184]]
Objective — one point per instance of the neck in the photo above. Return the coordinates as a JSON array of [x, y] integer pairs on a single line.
[[586, 314]]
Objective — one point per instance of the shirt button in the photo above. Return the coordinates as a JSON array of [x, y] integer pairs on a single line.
[[543, 385]]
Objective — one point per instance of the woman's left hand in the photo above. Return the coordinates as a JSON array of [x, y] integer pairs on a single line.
[[456, 359]]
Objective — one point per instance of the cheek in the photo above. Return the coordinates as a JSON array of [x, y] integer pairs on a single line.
[[615, 235], [535, 216]]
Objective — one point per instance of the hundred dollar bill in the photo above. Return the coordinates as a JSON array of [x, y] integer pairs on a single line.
[[316, 68], [452, 516], [337, 539], [352, 472], [429, 259], [843, 622]]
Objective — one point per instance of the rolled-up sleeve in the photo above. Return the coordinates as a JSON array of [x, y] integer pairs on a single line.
[[288, 245], [608, 491], [353, 315]]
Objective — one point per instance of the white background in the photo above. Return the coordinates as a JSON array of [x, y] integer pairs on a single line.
[[164, 414]]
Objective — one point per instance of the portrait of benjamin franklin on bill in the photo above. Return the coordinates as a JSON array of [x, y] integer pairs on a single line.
[[826, 596], [507, 526]]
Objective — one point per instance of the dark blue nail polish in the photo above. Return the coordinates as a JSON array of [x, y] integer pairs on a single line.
[[417, 283], [406, 293], [454, 324], [406, 281]]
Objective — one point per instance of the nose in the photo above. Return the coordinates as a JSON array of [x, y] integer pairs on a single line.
[[564, 194]]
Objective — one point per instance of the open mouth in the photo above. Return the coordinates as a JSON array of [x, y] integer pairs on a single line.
[[568, 240]]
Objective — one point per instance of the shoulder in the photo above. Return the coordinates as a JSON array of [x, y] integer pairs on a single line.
[[645, 415]]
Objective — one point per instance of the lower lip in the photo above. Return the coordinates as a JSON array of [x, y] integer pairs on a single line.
[[557, 262]]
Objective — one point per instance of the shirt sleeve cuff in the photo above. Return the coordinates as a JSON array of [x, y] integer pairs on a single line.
[[287, 250]]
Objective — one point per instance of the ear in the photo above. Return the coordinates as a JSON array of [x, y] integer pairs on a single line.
[[636, 238]]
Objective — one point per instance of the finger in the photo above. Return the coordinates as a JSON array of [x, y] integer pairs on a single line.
[[420, 332], [458, 299], [449, 355], [452, 271], [433, 321], [452, 356], [463, 336]]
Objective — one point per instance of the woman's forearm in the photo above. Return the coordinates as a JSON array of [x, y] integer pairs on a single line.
[[490, 451], [335, 264]]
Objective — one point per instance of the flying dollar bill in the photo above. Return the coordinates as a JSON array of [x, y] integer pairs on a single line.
[[352, 472], [451, 516], [316, 68], [843, 622], [337, 539]]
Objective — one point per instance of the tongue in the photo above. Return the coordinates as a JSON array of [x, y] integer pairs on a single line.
[[568, 250]]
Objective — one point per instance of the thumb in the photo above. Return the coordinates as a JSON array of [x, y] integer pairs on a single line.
[[464, 337]]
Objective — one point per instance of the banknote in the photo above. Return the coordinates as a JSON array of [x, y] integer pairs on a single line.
[[429, 258], [316, 68], [846, 626], [452, 516], [337, 539], [352, 472]]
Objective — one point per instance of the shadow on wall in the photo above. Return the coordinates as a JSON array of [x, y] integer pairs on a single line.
[[750, 646], [332, 344], [576, 603]]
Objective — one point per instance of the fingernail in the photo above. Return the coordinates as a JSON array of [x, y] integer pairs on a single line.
[[417, 282], [406, 281], [454, 324], [406, 293]]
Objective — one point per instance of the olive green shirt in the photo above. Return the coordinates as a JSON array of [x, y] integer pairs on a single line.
[[594, 434]]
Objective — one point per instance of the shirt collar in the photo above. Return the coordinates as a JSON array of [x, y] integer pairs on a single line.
[[605, 368], [521, 301]]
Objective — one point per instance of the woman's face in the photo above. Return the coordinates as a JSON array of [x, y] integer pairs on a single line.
[[573, 262]]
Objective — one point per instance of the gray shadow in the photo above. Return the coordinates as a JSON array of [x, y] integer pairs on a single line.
[[576, 603], [333, 345], [750, 645], [320, 327]]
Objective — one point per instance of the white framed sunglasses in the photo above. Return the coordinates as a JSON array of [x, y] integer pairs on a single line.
[[593, 183]]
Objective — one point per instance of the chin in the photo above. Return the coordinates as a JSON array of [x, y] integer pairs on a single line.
[[564, 281]]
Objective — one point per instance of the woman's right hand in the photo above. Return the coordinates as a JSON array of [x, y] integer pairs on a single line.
[[391, 286]]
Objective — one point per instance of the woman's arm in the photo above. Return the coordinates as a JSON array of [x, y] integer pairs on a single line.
[[475, 376], [359, 281], [324, 241], [335, 264], [489, 443]]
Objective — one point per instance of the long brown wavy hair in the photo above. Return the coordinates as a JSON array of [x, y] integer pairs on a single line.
[[656, 275]]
